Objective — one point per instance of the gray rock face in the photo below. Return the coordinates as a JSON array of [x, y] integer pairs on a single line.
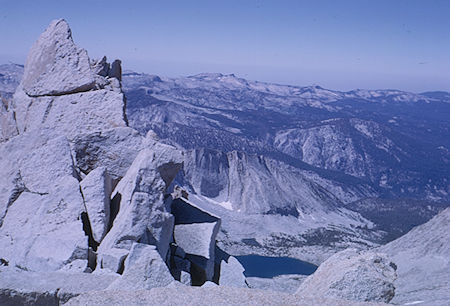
[[423, 260], [8, 126], [257, 197], [144, 269], [353, 275], [96, 189], [256, 184], [55, 65]]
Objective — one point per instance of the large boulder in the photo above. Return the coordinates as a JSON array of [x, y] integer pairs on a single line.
[[353, 275], [55, 65], [196, 238], [144, 269]]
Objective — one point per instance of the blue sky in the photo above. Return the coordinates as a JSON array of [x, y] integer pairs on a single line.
[[403, 44]]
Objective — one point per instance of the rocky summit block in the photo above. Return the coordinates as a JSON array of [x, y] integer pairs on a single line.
[[63, 90], [353, 275], [55, 65]]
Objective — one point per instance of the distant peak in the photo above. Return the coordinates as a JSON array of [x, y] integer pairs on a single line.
[[207, 75]]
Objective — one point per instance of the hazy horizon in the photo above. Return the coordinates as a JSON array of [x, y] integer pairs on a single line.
[[342, 46]]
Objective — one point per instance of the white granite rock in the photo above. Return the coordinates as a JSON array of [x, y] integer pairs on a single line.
[[96, 189], [144, 269], [43, 168], [12, 152], [55, 65], [197, 238], [209, 284], [72, 114], [232, 273], [185, 278], [353, 275]]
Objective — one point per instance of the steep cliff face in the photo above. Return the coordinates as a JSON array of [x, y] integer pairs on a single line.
[[255, 184]]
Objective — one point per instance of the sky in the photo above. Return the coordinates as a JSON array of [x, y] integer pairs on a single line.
[[342, 45]]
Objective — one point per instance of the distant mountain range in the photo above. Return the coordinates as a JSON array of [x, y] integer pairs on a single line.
[[396, 141]]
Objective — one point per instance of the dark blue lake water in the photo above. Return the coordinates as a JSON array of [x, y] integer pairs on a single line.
[[268, 267]]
